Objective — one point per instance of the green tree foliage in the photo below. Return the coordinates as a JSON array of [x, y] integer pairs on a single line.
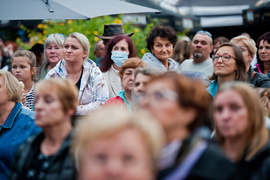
[[89, 28]]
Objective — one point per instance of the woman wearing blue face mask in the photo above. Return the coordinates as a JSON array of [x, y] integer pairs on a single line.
[[118, 50]]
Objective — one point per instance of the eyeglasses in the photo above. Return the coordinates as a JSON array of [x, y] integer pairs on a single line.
[[223, 58], [160, 96], [204, 32]]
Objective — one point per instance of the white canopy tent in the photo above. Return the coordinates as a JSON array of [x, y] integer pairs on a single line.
[[212, 13]]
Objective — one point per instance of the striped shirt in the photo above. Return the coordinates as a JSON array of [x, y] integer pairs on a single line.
[[30, 98]]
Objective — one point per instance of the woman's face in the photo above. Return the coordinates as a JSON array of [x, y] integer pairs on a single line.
[[162, 48], [127, 80], [161, 100], [48, 108], [247, 57], [140, 83], [264, 50], [121, 156], [230, 114], [54, 53], [225, 67], [73, 50], [121, 46]]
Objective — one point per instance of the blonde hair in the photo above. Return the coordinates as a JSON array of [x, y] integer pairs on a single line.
[[31, 60], [82, 39], [65, 89], [12, 86], [249, 44], [111, 120], [257, 131]]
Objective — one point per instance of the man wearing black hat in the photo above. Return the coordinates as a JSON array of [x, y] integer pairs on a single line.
[[111, 31]]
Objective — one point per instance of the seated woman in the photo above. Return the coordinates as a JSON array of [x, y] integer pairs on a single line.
[[53, 53], [241, 130], [118, 50], [127, 81], [93, 90], [229, 65], [248, 48], [263, 54], [160, 42], [113, 143], [16, 123], [181, 105], [46, 156]]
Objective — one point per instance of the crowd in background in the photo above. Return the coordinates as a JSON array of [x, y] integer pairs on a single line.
[[188, 109]]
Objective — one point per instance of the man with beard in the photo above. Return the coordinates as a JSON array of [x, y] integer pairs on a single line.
[[201, 66]]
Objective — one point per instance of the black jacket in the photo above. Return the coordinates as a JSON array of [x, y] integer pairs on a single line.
[[256, 168], [212, 165], [60, 166], [259, 79]]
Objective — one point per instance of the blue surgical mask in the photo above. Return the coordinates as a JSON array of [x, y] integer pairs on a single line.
[[119, 57]]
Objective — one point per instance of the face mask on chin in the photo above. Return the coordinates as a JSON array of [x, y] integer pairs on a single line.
[[119, 57]]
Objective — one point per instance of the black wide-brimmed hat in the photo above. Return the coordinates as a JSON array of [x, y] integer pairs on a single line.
[[112, 30]]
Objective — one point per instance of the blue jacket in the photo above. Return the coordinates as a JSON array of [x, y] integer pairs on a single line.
[[16, 129]]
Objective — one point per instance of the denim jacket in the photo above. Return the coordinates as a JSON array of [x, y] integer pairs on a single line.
[[16, 129]]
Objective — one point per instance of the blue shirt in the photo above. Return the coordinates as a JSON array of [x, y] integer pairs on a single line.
[[213, 88], [18, 126]]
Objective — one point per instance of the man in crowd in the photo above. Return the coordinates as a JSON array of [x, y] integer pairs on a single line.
[[201, 66], [99, 49]]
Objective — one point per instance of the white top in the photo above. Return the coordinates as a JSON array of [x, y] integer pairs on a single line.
[[201, 71]]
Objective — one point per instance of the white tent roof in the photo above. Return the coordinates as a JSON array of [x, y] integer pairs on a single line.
[[212, 13]]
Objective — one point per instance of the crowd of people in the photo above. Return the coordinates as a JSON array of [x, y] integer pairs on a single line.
[[187, 109]]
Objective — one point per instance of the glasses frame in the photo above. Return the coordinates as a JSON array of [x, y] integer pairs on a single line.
[[216, 58]]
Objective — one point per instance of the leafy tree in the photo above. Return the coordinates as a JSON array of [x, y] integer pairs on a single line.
[[87, 27]]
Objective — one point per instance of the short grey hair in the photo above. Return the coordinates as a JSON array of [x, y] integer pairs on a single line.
[[147, 71], [207, 34], [53, 38]]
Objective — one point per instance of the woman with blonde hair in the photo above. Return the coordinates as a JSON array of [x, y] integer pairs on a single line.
[[16, 123], [113, 143], [248, 48], [46, 155], [241, 130], [83, 72]]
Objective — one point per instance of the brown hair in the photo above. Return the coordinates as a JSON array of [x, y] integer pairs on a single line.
[[182, 51], [240, 63], [257, 132], [191, 94], [133, 62]]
